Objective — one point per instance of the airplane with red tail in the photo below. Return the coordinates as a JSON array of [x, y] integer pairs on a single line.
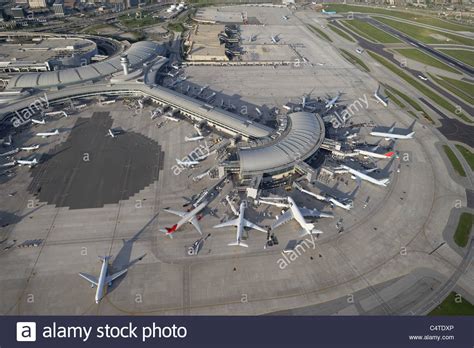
[[191, 217]]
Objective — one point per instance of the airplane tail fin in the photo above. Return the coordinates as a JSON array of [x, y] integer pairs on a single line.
[[169, 230], [238, 243], [389, 154]]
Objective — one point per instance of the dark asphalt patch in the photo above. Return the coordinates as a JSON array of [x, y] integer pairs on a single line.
[[91, 169]]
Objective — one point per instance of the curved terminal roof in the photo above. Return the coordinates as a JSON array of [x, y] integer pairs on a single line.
[[304, 135], [137, 54], [186, 104]]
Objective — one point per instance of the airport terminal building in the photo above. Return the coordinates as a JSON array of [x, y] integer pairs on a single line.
[[265, 151]]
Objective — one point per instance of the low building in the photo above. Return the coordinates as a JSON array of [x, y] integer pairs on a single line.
[[203, 44]]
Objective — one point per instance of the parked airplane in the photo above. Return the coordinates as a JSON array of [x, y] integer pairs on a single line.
[[104, 280], [171, 118], [381, 99], [372, 153], [30, 163], [38, 122], [390, 135], [48, 134], [294, 212], [9, 153], [193, 138], [9, 164], [186, 217], [332, 102], [240, 222], [111, 133], [55, 113], [275, 39], [202, 89], [347, 205], [107, 102], [362, 175], [187, 163], [285, 18], [30, 148]]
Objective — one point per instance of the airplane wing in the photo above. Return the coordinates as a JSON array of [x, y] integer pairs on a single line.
[[313, 213], [252, 225], [175, 212], [309, 212], [283, 219], [115, 275], [89, 278], [228, 223], [195, 223]]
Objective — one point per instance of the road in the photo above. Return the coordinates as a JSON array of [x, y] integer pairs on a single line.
[[441, 56]]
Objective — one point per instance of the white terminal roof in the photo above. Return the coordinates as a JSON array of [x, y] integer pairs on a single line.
[[303, 137], [137, 54]]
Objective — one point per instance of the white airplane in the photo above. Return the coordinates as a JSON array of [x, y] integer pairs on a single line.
[[372, 153], [194, 138], [30, 163], [55, 113], [104, 280], [275, 39], [171, 118], [9, 153], [155, 113], [38, 122], [187, 163], [390, 135], [9, 164], [30, 148], [358, 174], [186, 217], [333, 101], [47, 134], [107, 102], [285, 18], [240, 223], [294, 212], [111, 133], [381, 99], [202, 89], [346, 206]]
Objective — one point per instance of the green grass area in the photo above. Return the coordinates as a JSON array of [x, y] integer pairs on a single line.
[[462, 89], [354, 60], [412, 16], [467, 154], [319, 32], [370, 32], [133, 22], [411, 102], [421, 87], [426, 35], [395, 99], [454, 160], [96, 29], [422, 57], [178, 27], [341, 33], [465, 56], [453, 305], [461, 236]]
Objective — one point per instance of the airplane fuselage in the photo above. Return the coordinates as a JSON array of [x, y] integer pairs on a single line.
[[392, 135], [101, 281]]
